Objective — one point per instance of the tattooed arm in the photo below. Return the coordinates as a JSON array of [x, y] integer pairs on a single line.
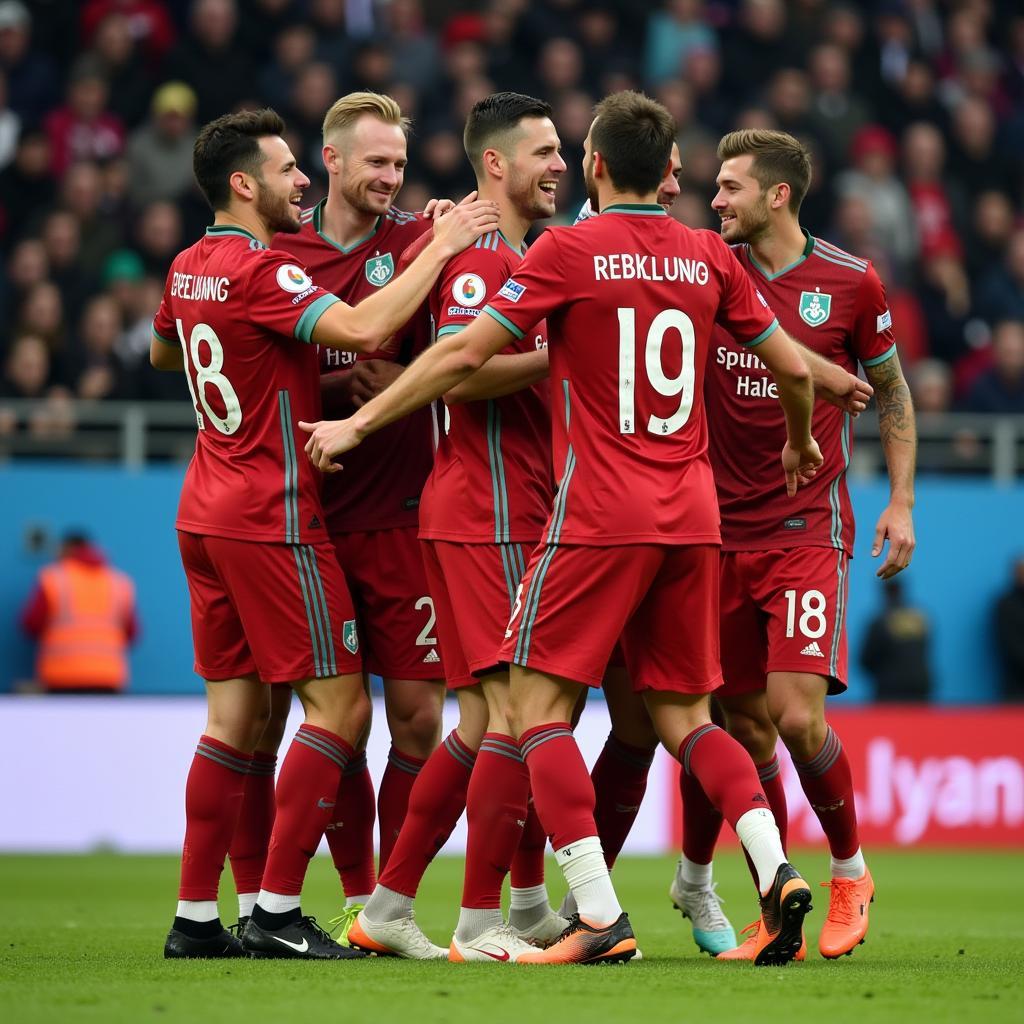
[[898, 433]]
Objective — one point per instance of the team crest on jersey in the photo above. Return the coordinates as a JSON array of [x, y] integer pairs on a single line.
[[380, 269], [350, 636], [815, 307], [468, 290]]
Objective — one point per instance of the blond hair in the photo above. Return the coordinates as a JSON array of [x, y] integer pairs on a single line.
[[344, 113], [778, 158]]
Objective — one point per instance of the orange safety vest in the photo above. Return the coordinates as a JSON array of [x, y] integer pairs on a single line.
[[84, 644]]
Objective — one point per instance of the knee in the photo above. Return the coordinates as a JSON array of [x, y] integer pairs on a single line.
[[802, 729], [238, 729], [416, 730], [756, 735]]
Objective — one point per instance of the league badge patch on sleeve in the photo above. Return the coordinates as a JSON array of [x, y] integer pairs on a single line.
[[468, 290], [293, 279], [883, 322], [512, 290]]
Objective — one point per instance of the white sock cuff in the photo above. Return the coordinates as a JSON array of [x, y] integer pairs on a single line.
[[849, 867], [197, 910], [277, 903], [582, 861], [531, 896], [351, 901], [246, 901], [693, 873]]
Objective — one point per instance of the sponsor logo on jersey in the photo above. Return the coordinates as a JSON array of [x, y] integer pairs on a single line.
[[761, 298], [794, 524], [468, 290], [512, 290], [883, 322], [431, 658], [815, 307], [813, 650], [380, 269], [462, 311], [293, 279], [350, 636]]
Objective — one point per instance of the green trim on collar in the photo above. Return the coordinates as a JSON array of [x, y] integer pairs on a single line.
[[521, 251], [318, 221], [637, 209], [808, 249], [227, 230]]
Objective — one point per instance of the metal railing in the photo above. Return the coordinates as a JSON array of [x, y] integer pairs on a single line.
[[134, 433]]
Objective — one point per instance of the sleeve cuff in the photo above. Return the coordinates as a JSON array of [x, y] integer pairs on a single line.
[[310, 315], [887, 354], [166, 341], [451, 329], [504, 321], [766, 333]]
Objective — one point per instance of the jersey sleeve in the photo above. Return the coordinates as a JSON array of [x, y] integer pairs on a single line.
[[164, 326], [467, 281], [743, 311], [871, 334], [281, 297], [534, 291]]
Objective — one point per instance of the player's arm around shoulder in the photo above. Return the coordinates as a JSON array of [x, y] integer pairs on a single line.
[[836, 385]]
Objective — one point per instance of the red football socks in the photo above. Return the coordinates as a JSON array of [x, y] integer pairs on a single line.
[[496, 814], [562, 791], [350, 829], [724, 770], [436, 803], [307, 791], [248, 850], [393, 798], [213, 800], [828, 784], [702, 821], [620, 781], [528, 862]]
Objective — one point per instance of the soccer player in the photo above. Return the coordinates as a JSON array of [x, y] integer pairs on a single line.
[[631, 546], [785, 562], [482, 513], [268, 602], [351, 242]]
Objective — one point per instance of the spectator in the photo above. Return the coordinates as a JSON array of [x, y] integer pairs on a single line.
[[931, 384], [977, 161], [992, 223], [10, 127], [32, 80], [151, 24], [945, 296], [42, 315], [673, 33], [118, 58], [160, 152], [1000, 293], [294, 48], [1009, 628], [895, 649], [159, 235], [83, 129], [756, 47], [914, 99], [413, 49], [75, 280], [28, 266], [99, 372], [837, 112], [82, 613], [1000, 389], [82, 195], [789, 101], [26, 375]]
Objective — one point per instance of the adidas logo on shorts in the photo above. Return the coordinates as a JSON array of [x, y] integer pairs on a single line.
[[431, 658], [813, 650]]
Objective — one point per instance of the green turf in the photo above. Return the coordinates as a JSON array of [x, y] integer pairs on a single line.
[[81, 937]]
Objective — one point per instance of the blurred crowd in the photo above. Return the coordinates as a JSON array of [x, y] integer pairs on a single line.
[[913, 110]]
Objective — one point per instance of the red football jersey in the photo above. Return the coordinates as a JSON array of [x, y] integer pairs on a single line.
[[244, 315], [380, 488], [492, 479], [631, 298], [833, 303]]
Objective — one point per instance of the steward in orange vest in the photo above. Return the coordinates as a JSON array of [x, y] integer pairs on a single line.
[[82, 612]]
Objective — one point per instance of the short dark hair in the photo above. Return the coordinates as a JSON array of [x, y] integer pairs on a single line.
[[228, 144], [493, 122], [778, 158], [634, 135]]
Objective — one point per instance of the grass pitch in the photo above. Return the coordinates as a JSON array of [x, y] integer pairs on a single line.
[[81, 940]]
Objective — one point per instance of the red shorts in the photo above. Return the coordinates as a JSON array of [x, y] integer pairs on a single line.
[[659, 601], [384, 571], [279, 610], [474, 587], [783, 611]]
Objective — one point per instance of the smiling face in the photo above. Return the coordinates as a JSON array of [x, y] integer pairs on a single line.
[[534, 167], [370, 160], [279, 186], [740, 202], [669, 188]]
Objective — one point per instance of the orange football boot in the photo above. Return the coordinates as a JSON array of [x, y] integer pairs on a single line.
[[783, 909], [747, 949], [582, 943], [847, 921]]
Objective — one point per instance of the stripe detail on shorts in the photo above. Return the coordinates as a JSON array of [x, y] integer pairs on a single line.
[[223, 758], [499, 490], [531, 606], [554, 732], [494, 743], [291, 470], [839, 613], [323, 745], [824, 759], [318, 615], [690, 743], [514, 564]]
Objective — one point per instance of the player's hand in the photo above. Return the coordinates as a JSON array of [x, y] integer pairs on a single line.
[[465, 223], [895, 524], [370, 377], [800, 464], [329, 438], [848, 392], [438, 208]]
